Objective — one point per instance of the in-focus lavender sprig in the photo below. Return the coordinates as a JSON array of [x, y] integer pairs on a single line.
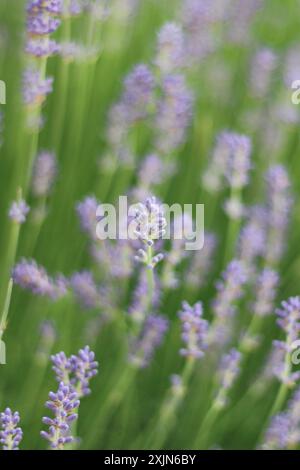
[[64, 404], [10, 434]]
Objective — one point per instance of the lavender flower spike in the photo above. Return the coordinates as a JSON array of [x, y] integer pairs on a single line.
[[149, 225], [265, 292], [228, 371], [170, 48], [64, 404], [45, 170], [289, 322], [143, 347], [85, 290], [87, 210], [194, 330], [10, 434], [84, 367], [30, 276], [18, 211]]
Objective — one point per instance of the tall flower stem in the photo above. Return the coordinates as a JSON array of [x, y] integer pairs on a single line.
[[3, 321]]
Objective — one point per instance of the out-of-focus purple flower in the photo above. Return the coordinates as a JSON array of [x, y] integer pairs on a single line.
[[284, 430], [18, 211], [229, 370], [173, 114], [149, 225], [87, 212], [263, 65], [170, 48], [230, 290], [64, 404], [279, 205], [289, 322], [50, 6], [154, 171], [10, 434], [41, 47], [277, 434], [252, 239], [194, 330], [35, 88], [138, 92], [267, 283], [139, 306], [76, 52], [41, 23], [44, 173], [201, 262], [199, 18], [114, 259], [86, 290], [28, 275], [292, 66], [240, 17], [239, 164], [143, 347]]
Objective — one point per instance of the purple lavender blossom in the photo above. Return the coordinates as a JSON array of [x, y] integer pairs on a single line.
[[44, 173], [279, 206], [289, 322], [10, 434], [229, 370], [284, 430], [138, 93], [267, 283], [83, 368], [252, 239], [263, 65], [149, 225], [42, 47], [41, 23], [35, 88], [30, 276], [154, 171], [174, 114], [143, 347], [18, 211], [50, 6], [240, 17], [87, 212], [85, 290], [76, 371], [230, 290], [115, 259], [238, 165], [194, 330], [170, 48], [139, 305], [64, 404]]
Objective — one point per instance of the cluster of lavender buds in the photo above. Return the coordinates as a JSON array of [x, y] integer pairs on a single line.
[[284, 430], [170, 49], [42, 21], [18, 211], [173, 114], [149, 226], [279, 206], [10, 434], [87, 213], [252, 239], [194, 330], [28, 275], [229, 370], [150, 338], [86, 290], [263, 65], [135, 105], [267, 283], [64, 404], [230, 290], [76, 371], [289, 322], [44, 173]]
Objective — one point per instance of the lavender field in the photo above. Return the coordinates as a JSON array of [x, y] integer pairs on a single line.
[[186, 334]]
